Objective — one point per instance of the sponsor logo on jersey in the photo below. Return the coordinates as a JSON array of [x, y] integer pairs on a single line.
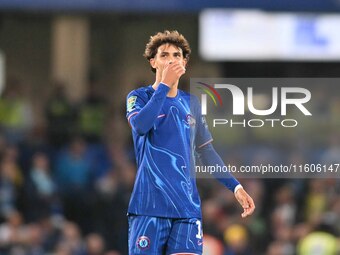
[[143, 242]]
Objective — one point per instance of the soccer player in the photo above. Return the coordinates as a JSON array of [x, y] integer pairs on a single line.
[[165, 210]]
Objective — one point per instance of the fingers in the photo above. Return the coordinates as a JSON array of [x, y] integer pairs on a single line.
[[177, 67], [247, 212], [248, 207], [252, 204], [172, 71], [246, 202], [166, 65]]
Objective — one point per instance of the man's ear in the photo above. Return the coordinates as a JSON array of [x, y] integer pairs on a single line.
[[185, 62], [152, 62]]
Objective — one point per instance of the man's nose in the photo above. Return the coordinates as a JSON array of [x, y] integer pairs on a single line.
[[172, 59]]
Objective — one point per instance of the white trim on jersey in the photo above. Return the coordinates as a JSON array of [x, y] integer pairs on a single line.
[[205, 143]]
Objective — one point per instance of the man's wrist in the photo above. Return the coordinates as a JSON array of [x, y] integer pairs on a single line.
[[164, 83], [239, 186]]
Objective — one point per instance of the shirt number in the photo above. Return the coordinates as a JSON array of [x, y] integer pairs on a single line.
[[199, 227]]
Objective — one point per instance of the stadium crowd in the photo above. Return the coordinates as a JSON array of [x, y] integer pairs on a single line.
[[65, 185]]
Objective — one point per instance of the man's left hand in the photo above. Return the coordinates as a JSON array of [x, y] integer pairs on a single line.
[[246, 202]]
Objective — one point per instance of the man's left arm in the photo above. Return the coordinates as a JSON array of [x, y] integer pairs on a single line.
[[209, 157]]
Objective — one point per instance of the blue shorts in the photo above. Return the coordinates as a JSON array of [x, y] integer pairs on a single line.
[[164, 236]]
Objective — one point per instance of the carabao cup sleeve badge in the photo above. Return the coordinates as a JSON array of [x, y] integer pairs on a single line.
[[131, 103]]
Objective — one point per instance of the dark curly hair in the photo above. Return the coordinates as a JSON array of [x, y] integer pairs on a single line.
[[171, 37]]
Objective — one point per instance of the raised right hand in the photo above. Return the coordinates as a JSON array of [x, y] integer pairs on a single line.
[[172, 72]]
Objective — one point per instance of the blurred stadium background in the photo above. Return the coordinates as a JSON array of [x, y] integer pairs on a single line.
[[66, 158]]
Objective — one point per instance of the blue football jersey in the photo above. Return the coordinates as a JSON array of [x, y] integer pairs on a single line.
[[165, 185]]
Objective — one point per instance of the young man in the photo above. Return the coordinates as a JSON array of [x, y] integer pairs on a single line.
[[165, 211]]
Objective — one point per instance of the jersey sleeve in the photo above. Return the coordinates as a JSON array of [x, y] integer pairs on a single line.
[[209, 157], [203, 135], [142, 112], [134, 103]]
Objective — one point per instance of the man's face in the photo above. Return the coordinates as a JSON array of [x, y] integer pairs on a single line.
[[167, 53]]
